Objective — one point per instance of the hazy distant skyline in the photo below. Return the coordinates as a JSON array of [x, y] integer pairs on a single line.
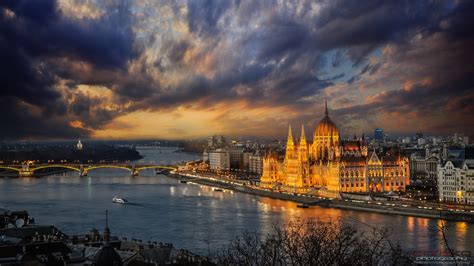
[[183, 69]]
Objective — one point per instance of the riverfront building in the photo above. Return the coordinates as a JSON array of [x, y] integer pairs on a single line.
[[331, 165], [219, 159], [256, 163], [456, 181]]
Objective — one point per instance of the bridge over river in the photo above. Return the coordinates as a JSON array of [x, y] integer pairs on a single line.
[[28, 170]]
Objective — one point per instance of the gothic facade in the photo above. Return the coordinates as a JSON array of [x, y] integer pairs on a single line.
[[331, 165]]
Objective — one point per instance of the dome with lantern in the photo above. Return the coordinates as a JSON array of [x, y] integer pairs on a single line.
[[326, 127]]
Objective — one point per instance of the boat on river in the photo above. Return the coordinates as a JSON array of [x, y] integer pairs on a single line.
[[119, 200]]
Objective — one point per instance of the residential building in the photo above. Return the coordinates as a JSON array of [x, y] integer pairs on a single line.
[[256, 163], [456, 182], [219, 159]]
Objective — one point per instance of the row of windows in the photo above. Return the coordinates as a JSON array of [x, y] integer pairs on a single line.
[[353, 185], [349, 174], [389, 184], [355, 179], [453, 188], [371, 174], [452, 199]]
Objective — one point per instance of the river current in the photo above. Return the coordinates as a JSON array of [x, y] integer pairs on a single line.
[[188, 215]]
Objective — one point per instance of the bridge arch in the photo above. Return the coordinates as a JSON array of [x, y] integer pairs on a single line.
[[55, 166], [107, 166], [10, 168], [154, 167]]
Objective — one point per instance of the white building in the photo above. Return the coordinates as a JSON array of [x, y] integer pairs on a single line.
[[456, 182], [256, 164], [219, 160]]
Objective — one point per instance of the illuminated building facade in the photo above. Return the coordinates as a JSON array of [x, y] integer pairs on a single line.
[[456, 181], [330, 165]]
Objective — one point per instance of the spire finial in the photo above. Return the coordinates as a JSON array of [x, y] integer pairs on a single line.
[[106, 219], [303, 135], [290, 136], [326, 109]]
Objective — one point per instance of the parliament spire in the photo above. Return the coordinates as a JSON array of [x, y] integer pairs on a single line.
[[326, 109]]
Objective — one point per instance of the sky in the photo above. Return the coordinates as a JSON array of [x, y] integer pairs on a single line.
[[122, 69]]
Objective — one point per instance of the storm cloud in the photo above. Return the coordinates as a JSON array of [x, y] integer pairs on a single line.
[[78, 67]]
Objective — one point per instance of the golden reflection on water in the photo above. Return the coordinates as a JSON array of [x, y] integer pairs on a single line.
[[410, 223], [461, 228], [420, 233], [289, 211]]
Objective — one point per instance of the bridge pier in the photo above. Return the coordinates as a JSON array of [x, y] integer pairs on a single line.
[[25, 171], [134, 172], [82, 171]]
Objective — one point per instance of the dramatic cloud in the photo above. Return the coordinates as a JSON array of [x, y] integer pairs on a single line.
[[132, 69]]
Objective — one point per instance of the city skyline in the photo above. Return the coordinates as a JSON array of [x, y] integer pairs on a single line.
[[151, 69]]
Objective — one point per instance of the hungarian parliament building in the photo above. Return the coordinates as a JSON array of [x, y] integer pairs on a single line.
[[331, 165]]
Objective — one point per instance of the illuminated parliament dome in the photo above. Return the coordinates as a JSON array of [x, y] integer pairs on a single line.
[[326, 127], [325, 139]]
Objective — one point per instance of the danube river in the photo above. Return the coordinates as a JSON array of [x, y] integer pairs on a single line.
[[188, 215]]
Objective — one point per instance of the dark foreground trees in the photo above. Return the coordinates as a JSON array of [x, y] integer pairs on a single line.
[[313, 242]]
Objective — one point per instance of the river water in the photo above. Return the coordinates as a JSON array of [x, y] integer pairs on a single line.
[[188, 215]]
